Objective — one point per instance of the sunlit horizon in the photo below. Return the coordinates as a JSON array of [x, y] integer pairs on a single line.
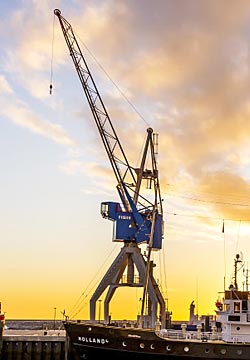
[[180, 67]]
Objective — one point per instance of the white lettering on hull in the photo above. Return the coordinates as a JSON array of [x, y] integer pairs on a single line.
[[93, 340]]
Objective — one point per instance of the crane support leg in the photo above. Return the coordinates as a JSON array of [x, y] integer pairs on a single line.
[[114, 278]]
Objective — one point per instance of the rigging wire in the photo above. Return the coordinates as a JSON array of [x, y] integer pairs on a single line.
[[160, 267], [239, 204], [52, 57], [113, 82], [141, 151], [232, 198], [208, 201], [80, 299], [237, 239], [224, 250], [205, 216], [165, 277]]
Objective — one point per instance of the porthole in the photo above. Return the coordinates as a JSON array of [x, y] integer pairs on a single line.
[[142, 346], [238, 328], [89, 328], [186, 349], [124, 343], [223, 351], [152, 346], [207, 351], [239, 352], [168, 348]]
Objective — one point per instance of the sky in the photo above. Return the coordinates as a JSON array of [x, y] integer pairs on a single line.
[[180, 67]]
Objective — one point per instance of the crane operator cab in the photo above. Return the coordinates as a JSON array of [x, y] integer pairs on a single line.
[[109, 209]]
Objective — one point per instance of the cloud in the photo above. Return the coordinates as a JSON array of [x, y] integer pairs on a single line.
[[77, 166], [73, 167], [183, 64], [18, 113], [228, 193], [28, 57], [5, 88]]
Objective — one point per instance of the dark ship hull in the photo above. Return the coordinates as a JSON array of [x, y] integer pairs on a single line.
[[93, 341], [1, 330]]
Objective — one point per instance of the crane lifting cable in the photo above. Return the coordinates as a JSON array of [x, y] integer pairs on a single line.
[[52, 58]]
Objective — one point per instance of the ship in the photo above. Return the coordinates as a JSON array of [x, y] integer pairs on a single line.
[[138, 219], [2, 324], [228, 337]]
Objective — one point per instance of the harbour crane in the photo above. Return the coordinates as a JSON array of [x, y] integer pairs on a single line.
[[136, 219]]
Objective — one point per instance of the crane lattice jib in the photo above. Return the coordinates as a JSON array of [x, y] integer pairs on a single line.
[[112, 145]]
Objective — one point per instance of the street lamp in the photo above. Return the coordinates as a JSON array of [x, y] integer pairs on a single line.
[[55, 318], [99, 310]]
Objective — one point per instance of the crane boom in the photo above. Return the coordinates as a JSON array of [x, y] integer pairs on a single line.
[[116, 154], [141, 219]]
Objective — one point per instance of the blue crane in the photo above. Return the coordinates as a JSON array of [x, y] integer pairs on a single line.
[[136, 219]]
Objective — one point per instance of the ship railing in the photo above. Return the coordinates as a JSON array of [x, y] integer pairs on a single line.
[[189, 335]]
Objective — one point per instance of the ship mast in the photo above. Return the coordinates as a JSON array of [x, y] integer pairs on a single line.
[[236, 262]]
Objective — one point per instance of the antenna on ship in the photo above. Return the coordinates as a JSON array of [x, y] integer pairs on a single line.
[[237, 260], [247, 283]]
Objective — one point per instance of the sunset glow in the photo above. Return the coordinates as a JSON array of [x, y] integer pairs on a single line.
[[181, 67]]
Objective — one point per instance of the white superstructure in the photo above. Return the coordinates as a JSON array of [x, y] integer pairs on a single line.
[[233, 314]]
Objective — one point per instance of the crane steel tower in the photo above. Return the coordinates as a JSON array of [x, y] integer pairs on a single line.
[[137, 219]]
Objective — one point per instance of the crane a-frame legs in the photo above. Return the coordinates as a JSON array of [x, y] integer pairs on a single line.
[[129, 258]]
